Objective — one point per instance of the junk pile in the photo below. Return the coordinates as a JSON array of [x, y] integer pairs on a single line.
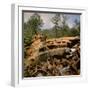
[[52, 57]]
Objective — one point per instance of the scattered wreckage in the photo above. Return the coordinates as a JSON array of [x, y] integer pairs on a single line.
[[52, 57]]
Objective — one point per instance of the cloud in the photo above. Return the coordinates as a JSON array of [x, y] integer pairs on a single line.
[[72, 18]]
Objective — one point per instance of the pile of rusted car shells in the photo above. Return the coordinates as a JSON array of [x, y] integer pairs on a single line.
[[53, 57]]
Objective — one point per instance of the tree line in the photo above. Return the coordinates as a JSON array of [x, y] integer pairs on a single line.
[[60, 29]]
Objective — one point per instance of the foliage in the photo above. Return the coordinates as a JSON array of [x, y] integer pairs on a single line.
[[56, 20], [32, 27], [34, 23]]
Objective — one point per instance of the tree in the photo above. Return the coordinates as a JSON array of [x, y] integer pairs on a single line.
[[76, 28], [64, 20], [34, 23], [31, 27], [77, 25], [65, 30], [56, 20]]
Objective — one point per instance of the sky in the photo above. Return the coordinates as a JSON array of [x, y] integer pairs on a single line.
[[46, 17]]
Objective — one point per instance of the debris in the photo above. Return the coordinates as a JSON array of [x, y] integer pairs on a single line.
[[52, 57]]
